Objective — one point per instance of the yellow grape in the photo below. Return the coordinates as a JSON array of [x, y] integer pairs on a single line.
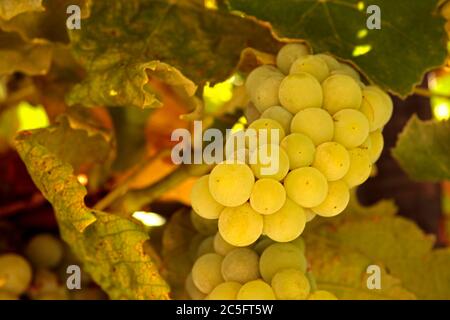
[[268, 196], [192, 290], [256, 290], [345, 69], [300, 150], [206, 246], [376, 145], [204, 226], [331, 62], [240, 226], [307, 186], [280, 115], [288, 54], [351, 128], [225, 291], [336, 200], [15, 273], [377, 107], [300, 91], [322, 295], [202, 201], [241, 265], [310, 215], [258, 75], [221, 246], [360, 167], [315, 123], [206, 272], [286, 224], [341, 92], [269, 161], [290, 284], [313, 65], [265, 95], [268, 131], [332, 160], [44, 251]]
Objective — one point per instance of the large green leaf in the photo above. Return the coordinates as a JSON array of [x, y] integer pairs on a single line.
[[179, 42], [111, 247], [423, 149], [340, 250], [411, 39]]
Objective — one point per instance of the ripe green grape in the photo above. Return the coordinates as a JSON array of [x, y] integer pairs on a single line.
[[221, 246], [279, 256], [206, 246], [256, 290], [202, 201], [241, 265], [258, 75], [307, 186], [269, 161], [44, 251], [345, 69], [387, 99], [360, 167], [240, 226], [310, 215], [290, 284], [313, 65], [280, 115], [299, 243], [332, 160], [376, 145], [192, 290], [230, 184], [206, 272], [341, 92], [286, 224], [316, 123], [331, 62], [225, 291], [351, 128], [288, 54], [300, 91], [268, 196], [204, 226], [15, 273], [336, 200], [268, 132], [322, 295], [265, 95], [377, 107], [300, 150], [262, 244]]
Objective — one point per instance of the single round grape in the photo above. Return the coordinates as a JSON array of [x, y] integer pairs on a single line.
[[279, 256], [265, 95], [290, 284], [221, 246], [360, 167], [376, 145], [267, 131], [322, 295], [240, 226], [202, 201], [288, 54], [286, 224], [206, 246], [351, 128], [341, 92], [268, 196], [307, 186], [258, 75], [204, 226], [269, 161], [192, 290], [331, 62], [299, 242], [15, 273], [377, 108], [336, 200], [345, 69], [256, 290], [225, 291], [300, 150], [332, 160], [313, 65], [310, 215], [206, 272], [300, 91], [315, 123], [262, 244], [387, 99], [241, 265], [44, 251], [231, 184], [280, 115]]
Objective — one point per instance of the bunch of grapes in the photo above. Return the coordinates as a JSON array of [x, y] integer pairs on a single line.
[[323, 133]]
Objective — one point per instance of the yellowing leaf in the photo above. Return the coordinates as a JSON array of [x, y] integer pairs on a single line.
[[12, 8]]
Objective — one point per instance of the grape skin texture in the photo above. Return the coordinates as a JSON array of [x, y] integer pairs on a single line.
[[336, 201], [307, 186], [341, 92], [206, 272], [44, 251], [351, 128], [313, 65], [225, 291], [221, 246], [258, 75], [300, 91], [376, 107], [290, 284], [360, 167], [300, 150], [280, 115], [268, 196], [280, 256], [263, 128], [332, 159], [256, 290], [241, 265], [240, 226], [231, 184], [265, 95], [202, 201], [288, 54], [316, 123], [265, 164], [331, 62], [16, 273]]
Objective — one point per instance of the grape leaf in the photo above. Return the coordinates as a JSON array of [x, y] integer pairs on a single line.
[[340, 250], [12, 8], [181, 43], [423, 149], [410, 42], [111, 247]]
